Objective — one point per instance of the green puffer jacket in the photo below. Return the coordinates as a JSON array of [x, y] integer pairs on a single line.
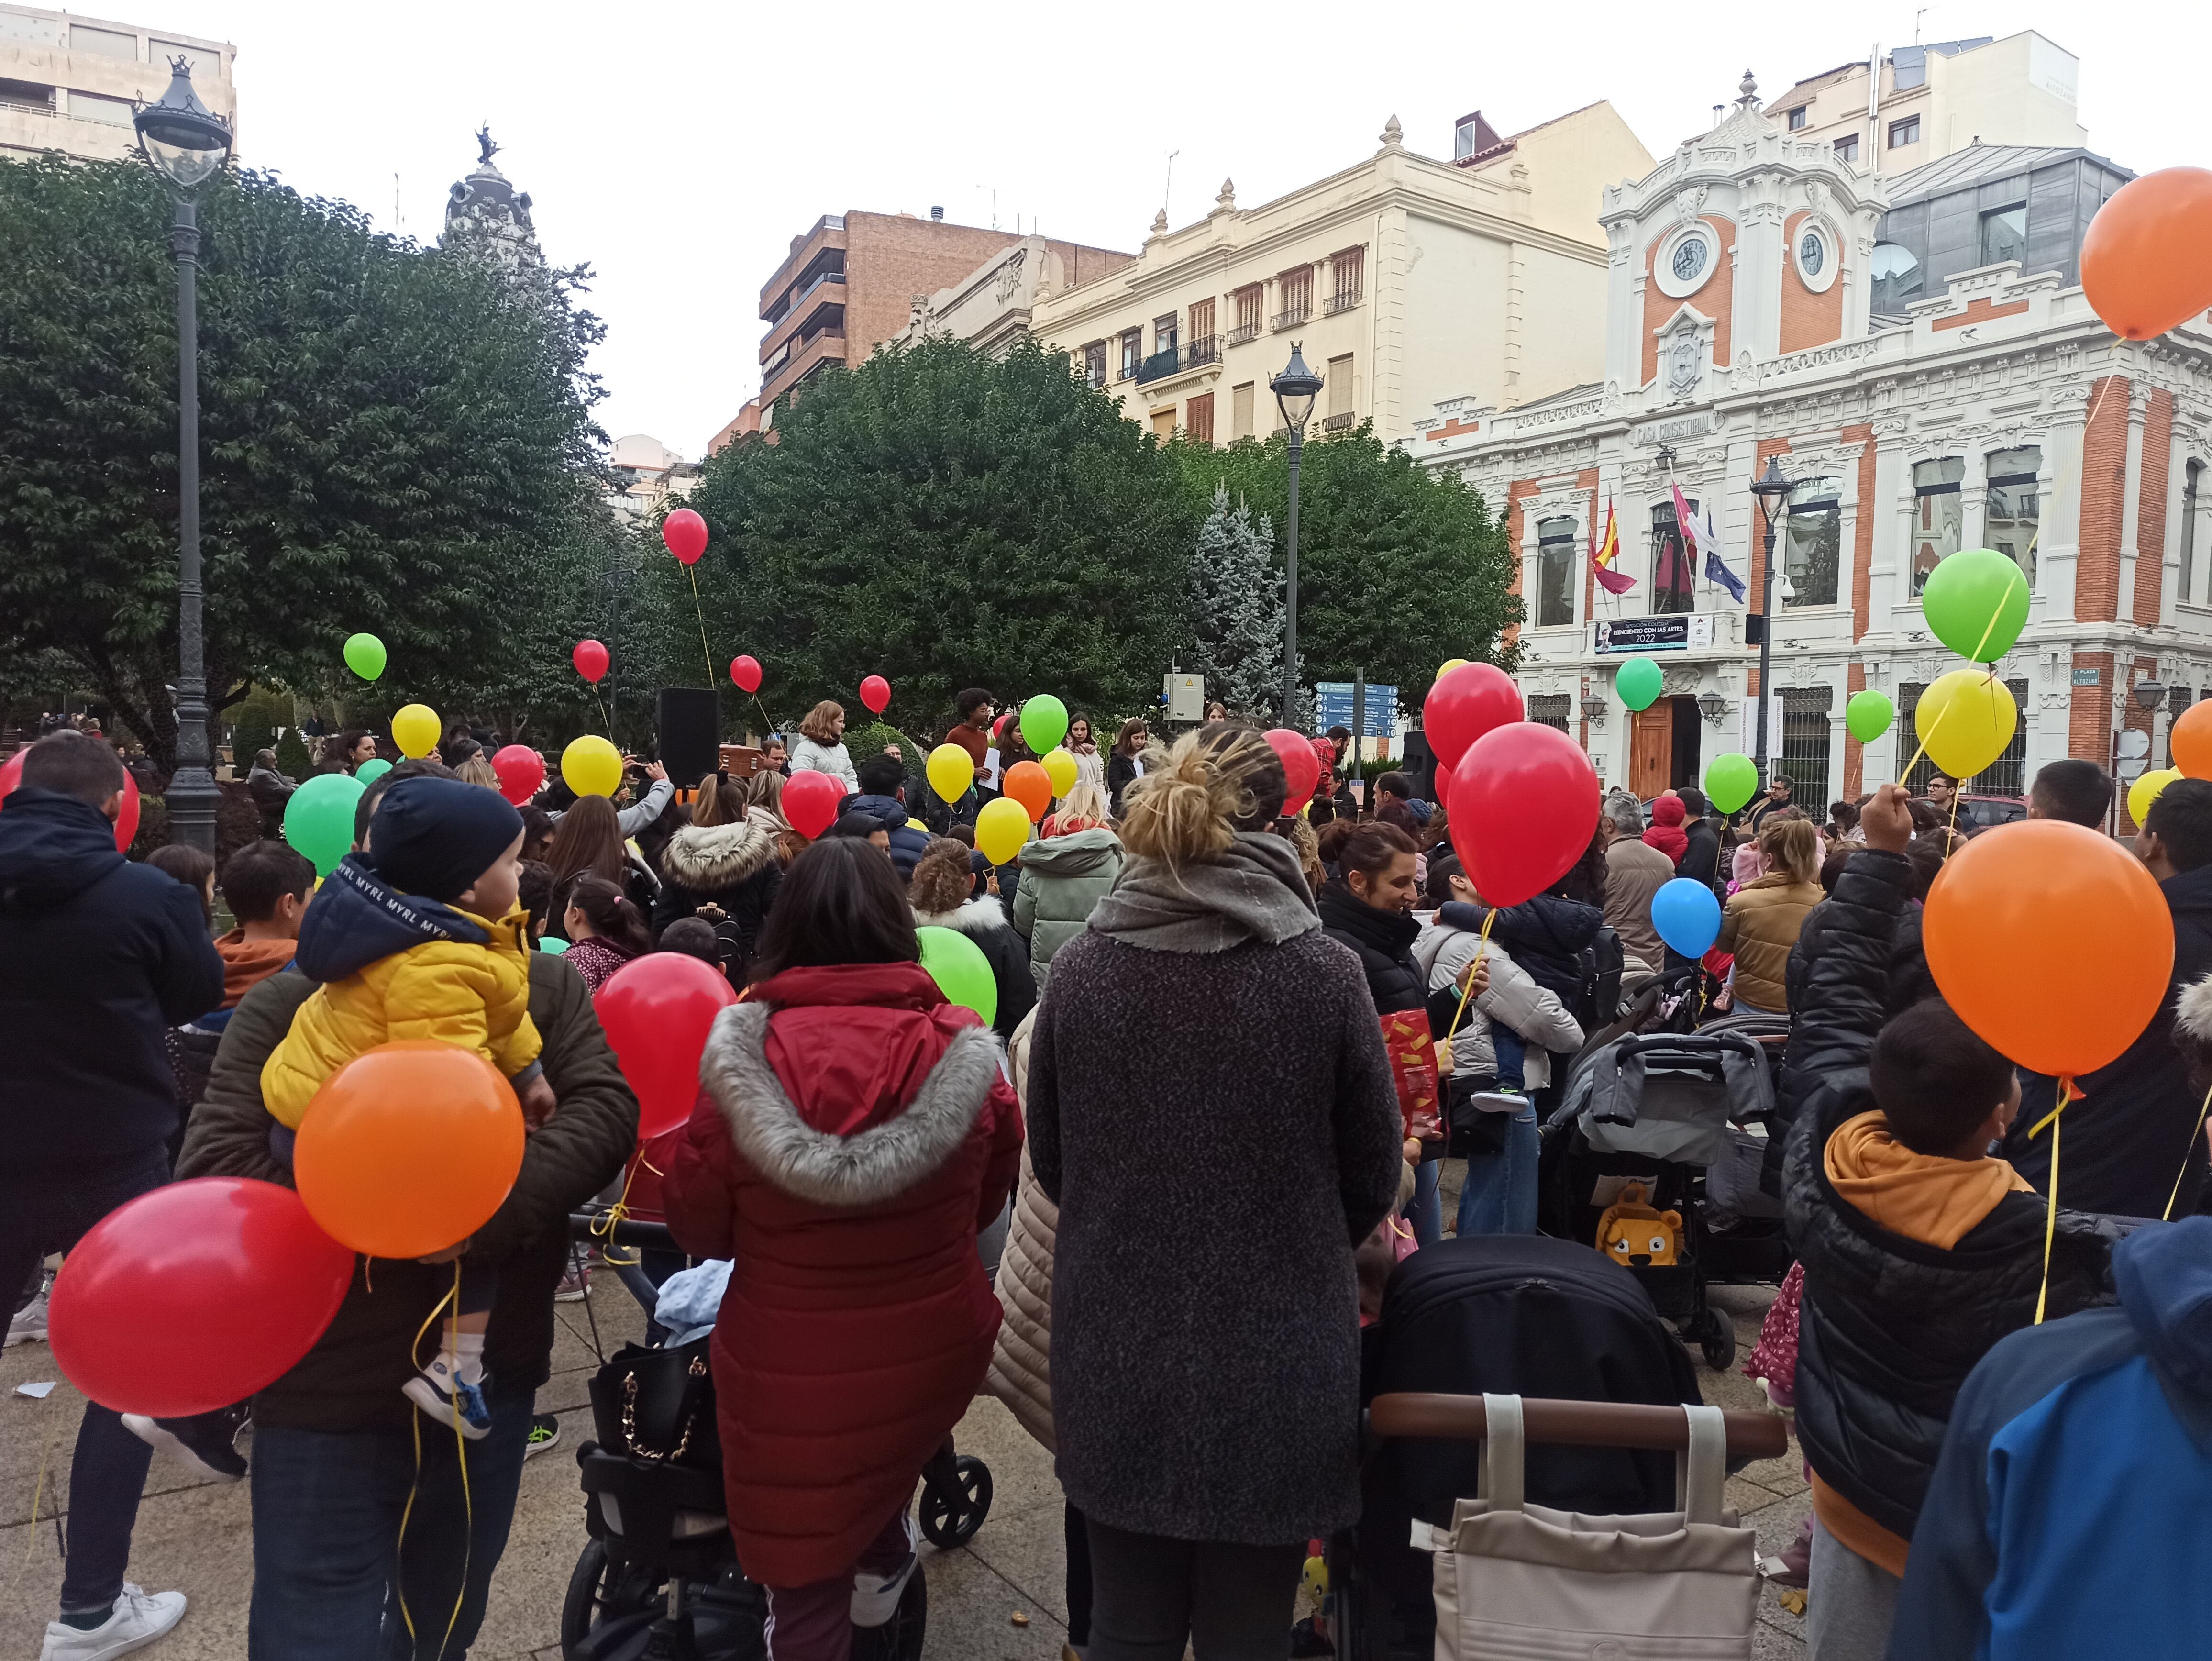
[[1062, 879], [350, 1380]]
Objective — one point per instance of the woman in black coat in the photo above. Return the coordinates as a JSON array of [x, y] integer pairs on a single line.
[[1122, 766], [720, 867], [1369, 908]]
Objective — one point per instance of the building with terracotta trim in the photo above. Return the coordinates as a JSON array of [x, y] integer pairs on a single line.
[[1993, 410]]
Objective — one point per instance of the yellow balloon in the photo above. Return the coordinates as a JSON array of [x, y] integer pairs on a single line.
[[415, 729], [2145, 790], [1450, 663], [1059, 768], [1965, 720], [591, 766], [1002, 829], [951, 770]]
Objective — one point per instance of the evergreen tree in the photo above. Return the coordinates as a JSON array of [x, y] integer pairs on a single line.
[[1236, 616]]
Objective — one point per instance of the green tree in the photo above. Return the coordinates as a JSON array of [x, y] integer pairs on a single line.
[[1399, 567], [391, 440], [944, 519], [1236, 609]]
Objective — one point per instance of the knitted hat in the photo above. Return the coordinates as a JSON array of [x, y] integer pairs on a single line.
[[435, 836]]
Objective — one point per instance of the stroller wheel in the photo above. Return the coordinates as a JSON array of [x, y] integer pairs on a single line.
[[588, 1587], [898, 1639], [950, 1513], [1716, 1336]]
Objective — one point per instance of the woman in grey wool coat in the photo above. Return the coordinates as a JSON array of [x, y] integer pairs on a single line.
[[1205, 1307]]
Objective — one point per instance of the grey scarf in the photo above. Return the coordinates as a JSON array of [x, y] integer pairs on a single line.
[[1253, 892]]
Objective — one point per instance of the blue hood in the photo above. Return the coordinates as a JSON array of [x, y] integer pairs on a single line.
[[354, 919], [53, 847], [2164, 1273], [888, 809]]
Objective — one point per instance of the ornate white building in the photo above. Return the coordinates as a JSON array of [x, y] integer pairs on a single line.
[[1917, 353]]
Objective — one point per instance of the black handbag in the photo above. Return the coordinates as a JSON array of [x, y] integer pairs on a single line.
[[657, 1405], [1470, 1133]]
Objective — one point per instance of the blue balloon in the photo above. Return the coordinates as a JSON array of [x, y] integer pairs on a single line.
[[1686, 916]]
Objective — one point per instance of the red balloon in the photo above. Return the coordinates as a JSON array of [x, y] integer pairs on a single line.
[[876, 693], [1523, 807], [1469, 702], [521, 770], [1443, 791], [685, 533], [195, 1295], [126, 819], [590, 659], [1300, 767], [656, 1011], [810, 802], [745, 673]]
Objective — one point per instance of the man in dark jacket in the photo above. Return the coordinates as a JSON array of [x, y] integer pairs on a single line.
[[333, 1451], [1919, 1253], [98, 958], [882, 795], [2134, 1129], [1701, 860]]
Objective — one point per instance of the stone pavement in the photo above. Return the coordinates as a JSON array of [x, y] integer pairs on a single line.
[[195, 1536]]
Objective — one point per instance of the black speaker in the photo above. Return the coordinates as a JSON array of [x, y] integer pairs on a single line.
[[1420, 761], [691, 739]]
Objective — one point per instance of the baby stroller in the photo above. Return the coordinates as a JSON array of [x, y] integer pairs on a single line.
[[1653, 1158], [1508, 1314], [659, 1580]]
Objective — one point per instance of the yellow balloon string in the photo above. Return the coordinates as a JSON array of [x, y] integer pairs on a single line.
[[1481, 946], [2051, 1210], [451, 1299], [2167, 1216]]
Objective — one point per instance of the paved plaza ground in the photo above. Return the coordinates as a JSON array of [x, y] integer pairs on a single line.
[[196, 1537]]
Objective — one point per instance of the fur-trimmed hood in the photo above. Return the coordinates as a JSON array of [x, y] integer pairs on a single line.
[[868, 1167], [2193, 1012], [707, 857], [977, 916]]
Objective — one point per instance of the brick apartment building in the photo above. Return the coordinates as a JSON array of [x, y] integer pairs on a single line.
[[1918, 353]]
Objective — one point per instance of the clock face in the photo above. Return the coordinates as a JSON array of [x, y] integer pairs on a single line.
[[1812, 254], [1689, 259]]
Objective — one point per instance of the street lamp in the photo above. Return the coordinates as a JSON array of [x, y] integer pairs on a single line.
[[1295, 390], [186, 143], [1714, 707], [1773, 493], [2149, 694]]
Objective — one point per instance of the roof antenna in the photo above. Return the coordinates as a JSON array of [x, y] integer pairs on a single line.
[[1169, 190]]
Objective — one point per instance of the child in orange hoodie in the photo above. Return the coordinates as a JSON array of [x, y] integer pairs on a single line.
[[266, 884]]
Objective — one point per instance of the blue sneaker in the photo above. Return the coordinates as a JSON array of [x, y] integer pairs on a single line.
[[448, 1398]]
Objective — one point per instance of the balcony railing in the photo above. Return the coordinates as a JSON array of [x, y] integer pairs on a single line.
[[1337, 423], [1194, 355], [1159, 365], [1243, 332], [1343, 302], [1206, 348], [21, 107], [1293, 317]]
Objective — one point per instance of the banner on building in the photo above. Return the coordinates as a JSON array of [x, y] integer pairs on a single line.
[[1677, 632]]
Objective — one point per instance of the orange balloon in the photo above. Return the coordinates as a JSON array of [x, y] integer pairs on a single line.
[[2051, 941], [409, 1148], [1028, 783], [2190, 743], [2146, 260]]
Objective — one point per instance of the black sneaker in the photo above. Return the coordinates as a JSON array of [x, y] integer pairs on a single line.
[[544, 1434], [204, 1442]]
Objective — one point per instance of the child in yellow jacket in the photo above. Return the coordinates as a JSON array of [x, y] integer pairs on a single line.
[[420, 936]]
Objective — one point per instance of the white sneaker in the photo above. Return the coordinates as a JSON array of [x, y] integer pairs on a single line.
[[139, 1618], [28, 1323], [876, 1597]]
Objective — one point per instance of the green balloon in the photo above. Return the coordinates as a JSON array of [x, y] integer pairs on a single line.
[[371, 770], [364, 655], [552, 944], [961, 971], [1730, 780], [318, 819], [1044, 723], [1869, 714], [1976, 603], [1639, 682]]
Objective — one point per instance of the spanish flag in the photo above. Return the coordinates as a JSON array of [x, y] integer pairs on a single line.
[[1603, 555]]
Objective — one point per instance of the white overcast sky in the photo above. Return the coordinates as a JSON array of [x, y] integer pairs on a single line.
[[678, 146]]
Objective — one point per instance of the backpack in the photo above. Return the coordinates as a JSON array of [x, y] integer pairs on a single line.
[[1597, 1003]]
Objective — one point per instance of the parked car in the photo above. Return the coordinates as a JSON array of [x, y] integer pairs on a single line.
[[1985, 812]]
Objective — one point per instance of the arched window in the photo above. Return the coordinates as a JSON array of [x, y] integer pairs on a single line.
[[1937, 515], [1896, 278], [1673, 566], [1555, 573], [2015, 512], [1812, 554]]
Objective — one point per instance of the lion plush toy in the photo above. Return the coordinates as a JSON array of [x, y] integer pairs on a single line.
[[1631, 1232]]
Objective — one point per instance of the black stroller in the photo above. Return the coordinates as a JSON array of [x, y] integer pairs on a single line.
[[1510, 1314], [659, 1580], [1656, 1145]]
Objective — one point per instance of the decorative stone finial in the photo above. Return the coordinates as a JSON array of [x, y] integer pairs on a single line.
[[1393, 136], [1227, 199], [1160, 223], [1746, 93]]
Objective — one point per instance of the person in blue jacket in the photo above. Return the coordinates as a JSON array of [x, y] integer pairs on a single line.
[[2071, 1512], [882, 795]]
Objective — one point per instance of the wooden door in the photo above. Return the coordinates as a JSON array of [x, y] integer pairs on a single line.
[[1651, 749]]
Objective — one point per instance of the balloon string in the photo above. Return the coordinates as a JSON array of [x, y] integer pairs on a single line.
[[451, 1298], [2167, 1216], [2051, 1211], [706, 656], [2088, 422], [1481, 946]]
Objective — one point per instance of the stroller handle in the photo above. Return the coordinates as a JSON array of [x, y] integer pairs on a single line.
[[588, 1225], [1581, 1424]]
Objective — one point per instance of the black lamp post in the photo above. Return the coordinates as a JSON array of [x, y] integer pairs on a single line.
[[1773, 493], [187, 144], [1295, 390]]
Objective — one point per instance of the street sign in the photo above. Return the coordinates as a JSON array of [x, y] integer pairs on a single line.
[[1332, 704]]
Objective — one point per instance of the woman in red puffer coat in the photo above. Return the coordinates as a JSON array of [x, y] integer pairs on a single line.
[[854, 1133]]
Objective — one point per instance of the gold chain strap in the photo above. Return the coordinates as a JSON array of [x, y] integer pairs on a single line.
[[697, 1370]]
